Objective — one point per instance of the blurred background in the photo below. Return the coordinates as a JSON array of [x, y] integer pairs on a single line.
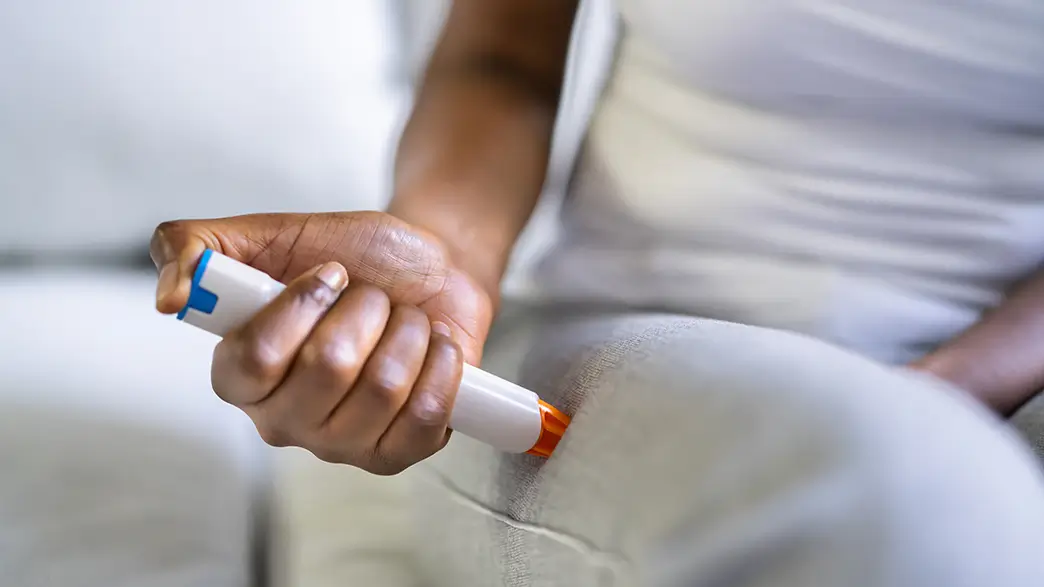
[[115, 116], [131, 113], [120, 467]]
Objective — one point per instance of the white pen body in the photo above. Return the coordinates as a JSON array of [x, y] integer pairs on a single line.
[[497, 412], [227, 293]]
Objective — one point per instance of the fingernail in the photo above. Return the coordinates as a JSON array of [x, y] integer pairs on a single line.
[[441, 328], [168, 280], [333, 275]]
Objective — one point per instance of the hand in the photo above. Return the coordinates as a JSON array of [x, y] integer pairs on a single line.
[[359, 359]]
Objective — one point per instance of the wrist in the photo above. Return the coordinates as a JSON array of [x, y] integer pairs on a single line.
[[469, 248]]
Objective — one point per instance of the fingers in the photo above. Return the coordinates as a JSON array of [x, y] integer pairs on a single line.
[[251, 361], [409, 264], [355, 375], [330, 364], [384, 387], [341, 372], [399, 410], [464, 309], [176, 247], [421, 427]]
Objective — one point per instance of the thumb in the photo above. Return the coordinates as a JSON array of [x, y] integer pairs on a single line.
[[177, 246]]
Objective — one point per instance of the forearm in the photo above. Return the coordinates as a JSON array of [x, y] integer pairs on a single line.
[[1000, 359], [471, 166], [473, 158]]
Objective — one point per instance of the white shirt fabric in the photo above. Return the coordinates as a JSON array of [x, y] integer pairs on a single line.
[[870, 172]]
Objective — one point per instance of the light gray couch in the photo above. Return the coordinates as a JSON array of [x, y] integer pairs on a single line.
[[118, 466]]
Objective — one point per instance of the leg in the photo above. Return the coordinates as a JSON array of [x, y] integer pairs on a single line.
[[704, 453]]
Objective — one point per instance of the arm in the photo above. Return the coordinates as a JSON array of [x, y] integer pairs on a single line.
[[473, 157], [1000, 360], [360, 358]]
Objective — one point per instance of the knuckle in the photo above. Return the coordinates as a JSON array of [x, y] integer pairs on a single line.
[[386, 465], [449, 350], [219, 370], [330, 455], [337, 359], [164, 239], [314, 292], [388, 393], [329, 436], [260, 359], [272, 435], [166, 230], [220, 384], [430, 409], [389, 470], [169, 226], [382, 394], [387, 377], [446, 356]]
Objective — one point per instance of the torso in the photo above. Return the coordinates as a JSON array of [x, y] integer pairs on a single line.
[[870, 172]]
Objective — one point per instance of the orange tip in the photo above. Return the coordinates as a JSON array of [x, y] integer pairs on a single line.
[[553, 426]]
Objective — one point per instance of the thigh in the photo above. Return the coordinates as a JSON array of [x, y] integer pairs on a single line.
[[711, 453], [119, 466]]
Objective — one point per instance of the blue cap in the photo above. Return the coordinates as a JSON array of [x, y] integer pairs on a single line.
[[200, 299]]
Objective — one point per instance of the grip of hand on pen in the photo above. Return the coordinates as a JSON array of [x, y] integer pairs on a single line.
[[226, 293]]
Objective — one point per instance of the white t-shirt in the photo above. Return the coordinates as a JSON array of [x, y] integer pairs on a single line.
[[870, 172]]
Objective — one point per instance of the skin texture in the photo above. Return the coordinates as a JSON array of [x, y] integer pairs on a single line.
[[359, 359], [473, 158], [409, 264]]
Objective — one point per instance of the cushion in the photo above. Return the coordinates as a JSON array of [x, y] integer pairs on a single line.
[[118, 465]]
